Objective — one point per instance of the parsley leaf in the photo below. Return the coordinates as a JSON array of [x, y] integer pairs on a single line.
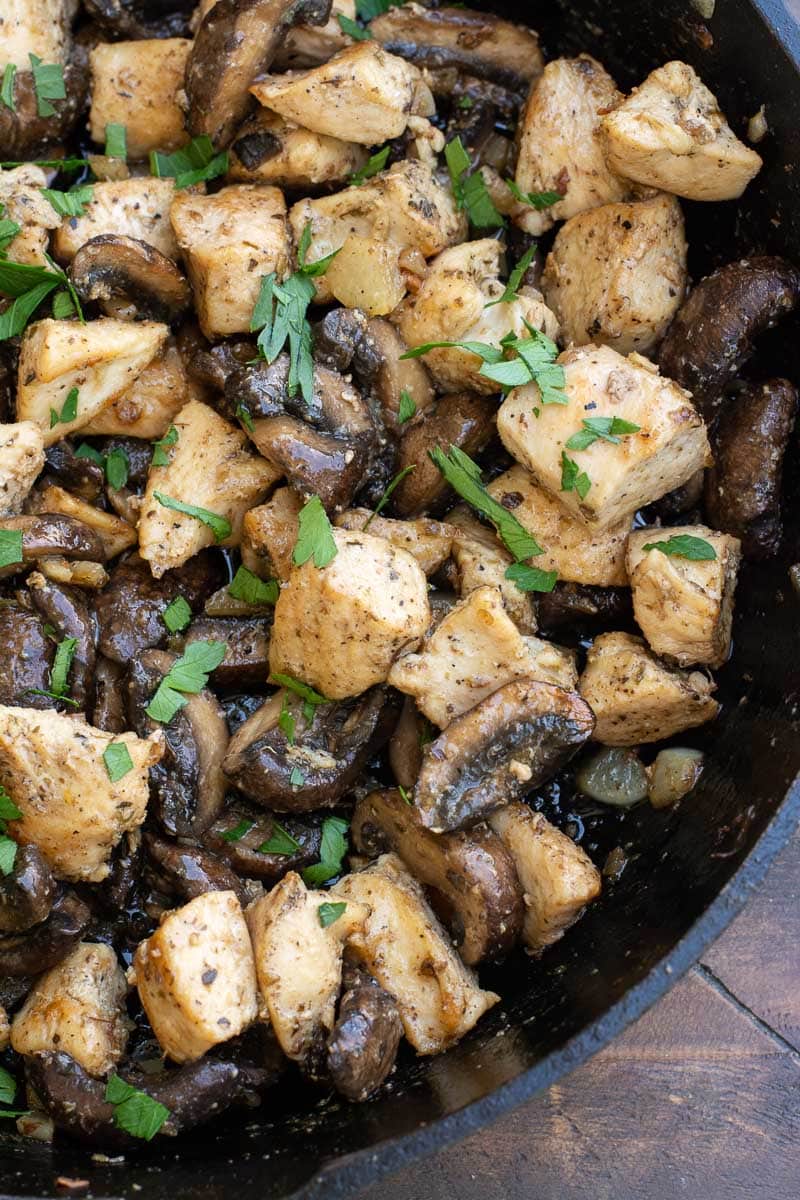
[[15, 318], [70, 204], [404, 795], [685, 545], [8, 1087], [286, 721], [8, 231], [243, 413], [315, 537], [348, 26], [280, 841], [470, 191], [332, 851], [531, 579], [48, 84], [248, 587], [7, 89], [535, 362], [117, 758], [387, 495], [160, 456], [306, 693], [29, 286], [10, 547], [193, 163], [515, 279], [296, 777], [65, 652], [117, 467], [407, 408], [373, 166], [135, 1112], [63, 306], [116, 141], [607, 429], [238, 831], [8, 809], [219, 526], [328, 913], [69, 410], [8, 854], [573, 479], [49, 164], [280, 314], [177, 615], [537, 200], [320, 265], [464, 477], [189, 674]]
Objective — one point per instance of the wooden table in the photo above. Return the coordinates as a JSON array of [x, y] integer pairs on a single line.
[[699, 1099]]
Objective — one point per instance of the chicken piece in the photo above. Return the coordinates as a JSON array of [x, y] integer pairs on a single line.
[[211, 468], [21, 200], [137, 208], [480, 560], [669, 133], [268, 149], [5, 1029], [299, 961], [101, 359], [558, 878], [269, 533], [552, 664], [339, 628], [617, 274], [579, 554], [137, 84], [405, 948], [428, 541], [451, 306], [684, 607], [669, 445], [471, 653], [635, 698], [560, 147], [404, 207], [366, 274], [115, 534], [148, 407], [77, 1008], [21, 460], [231, 240], [196, 976], [362, 94], [52, 765], [39, 27]]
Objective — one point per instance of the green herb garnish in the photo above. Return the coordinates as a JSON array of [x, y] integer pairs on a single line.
[[10, 547], [606, 429], [531, 579], [189, 674], [280, 841], [515, 279], [48, 84], [407, 408], [315, 537], [177, 615], [160, 447], [238, 831], [117, 758], [219, 526], [328, 913], [193, 163], [116, 141], [537, 200], [332, 851], [387, 495], [685, 545], [470, 191], [72, 203], [373, 166], [7, 89], [348, 26], [135, 1112], [250, 589], [464, 477], [573, 479]]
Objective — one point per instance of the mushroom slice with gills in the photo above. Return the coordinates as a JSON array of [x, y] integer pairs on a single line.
[[130, 279], [190, 871], [475, 887], [246, 661], [241, 834], [363, 1045], [325, 446], [49, 535], [27, 657], [27, 893], [298, 956], [45, 944], [509, 743], [130, 608], [187, 786], [713, 331], [479, 43], [68, 611], [193, 1094], [329, 751], [237, 41]]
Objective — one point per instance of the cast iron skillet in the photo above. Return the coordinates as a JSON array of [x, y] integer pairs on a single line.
[[692, 869]]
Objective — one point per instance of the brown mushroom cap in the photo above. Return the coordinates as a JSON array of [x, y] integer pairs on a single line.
[[244, 854], [134, 21], [50, 534], [45, 944], [363, 1044], [462, 419], [27, 893], [129, 278], [22, 131], [506, 745], [27, 658], [572, 603], [190, 871], [236, 41]]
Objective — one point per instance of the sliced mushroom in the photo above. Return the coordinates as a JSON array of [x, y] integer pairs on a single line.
[[236, 41], [211, 365], [246, 661], [243, 851], [384, 374], [506, 745], [462, 419], [130, 279], [193, 1094], [109, 696], [27, 657], [191, 871], [27, 893], [79, 475], [187, 785], [67, 610], [48, 534], [326, 446], [714, 330], [47, 943], [743, 488], [569, 603], [363, 1045], [134, 21], [471, 873], [406, 744], [325, 758], [130, 609], [23, 132]]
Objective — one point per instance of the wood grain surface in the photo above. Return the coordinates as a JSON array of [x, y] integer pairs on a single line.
[[699, 1099]]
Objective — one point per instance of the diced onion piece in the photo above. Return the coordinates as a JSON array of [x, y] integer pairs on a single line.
[[673, 775], [613, 776]]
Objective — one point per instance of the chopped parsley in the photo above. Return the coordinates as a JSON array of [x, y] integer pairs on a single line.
[[332, 851], [280, 841], [404, 795], [387, 495], [8, 854], [537, 200], [63, 306], [117, 758], [8, 809], [315, 539], [685, 545], [606, 429], [249, 588], [72, 203], [296, 777], [193, 163], [515, 279], [160, 447], [407, 408], [349, 26], [238, 831], [372, 167], [8, 230], [470, 191], [48, 84], [135, 1112], [464, 477], [28, 286], [10, 547], [531, 579], [328, 913], [534, 362], [286, 721], [116, 141], [573, 479], [65, 652], [177, 615], [189, 674], [7, 88], [117, 466], [69, 410], [310, 698], [219, 526]]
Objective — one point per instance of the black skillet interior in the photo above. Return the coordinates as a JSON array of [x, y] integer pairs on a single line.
[[645, 930]]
